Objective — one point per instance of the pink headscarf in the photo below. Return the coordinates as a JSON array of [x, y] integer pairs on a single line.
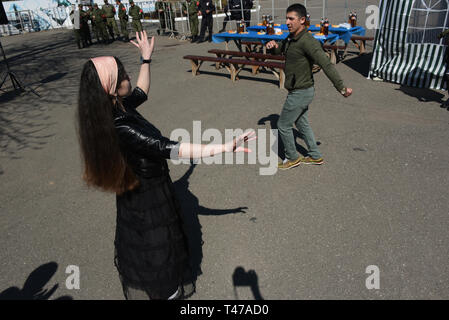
[[107, 72]]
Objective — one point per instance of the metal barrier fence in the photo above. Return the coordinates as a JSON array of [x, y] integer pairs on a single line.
[[18, 22], [33, 21], [175, 21]]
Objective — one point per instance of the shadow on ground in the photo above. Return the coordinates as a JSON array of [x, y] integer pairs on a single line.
[[273, 120], [190, 210], [33, 288], [422, 95], [360, 63], [242, 278], [24, 118]]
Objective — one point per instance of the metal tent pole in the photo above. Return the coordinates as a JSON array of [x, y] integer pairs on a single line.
[[324, 4], [258, 11], [346, 10], [183, 37], [189, 29], [216, 15]]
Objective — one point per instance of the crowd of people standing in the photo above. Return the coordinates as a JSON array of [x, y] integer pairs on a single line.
[[103, 23]]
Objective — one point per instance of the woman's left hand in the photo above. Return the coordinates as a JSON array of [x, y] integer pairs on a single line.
[[146, 47], [235, 145]]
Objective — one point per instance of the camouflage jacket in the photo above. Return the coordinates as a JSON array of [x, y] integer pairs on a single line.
[[135, 12], [109, 9]]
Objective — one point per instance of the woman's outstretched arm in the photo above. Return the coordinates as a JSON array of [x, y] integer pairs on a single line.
[[146, 50], [195, 151]]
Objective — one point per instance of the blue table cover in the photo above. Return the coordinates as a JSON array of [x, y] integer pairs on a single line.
[[331, 38], [344, 33], [254, 36], [259, 28], [250, 36]]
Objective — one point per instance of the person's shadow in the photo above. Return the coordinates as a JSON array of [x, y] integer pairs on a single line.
[[190, 211], [273, 120], [33, 288], [422, 94], [242, 278]]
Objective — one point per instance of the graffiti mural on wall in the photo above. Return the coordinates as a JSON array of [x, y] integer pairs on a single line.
[[36, 15]]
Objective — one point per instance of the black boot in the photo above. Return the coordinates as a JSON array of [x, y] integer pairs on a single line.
[[201, 40]]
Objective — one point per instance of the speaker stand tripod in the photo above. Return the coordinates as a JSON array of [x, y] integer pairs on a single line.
[[15, 82]]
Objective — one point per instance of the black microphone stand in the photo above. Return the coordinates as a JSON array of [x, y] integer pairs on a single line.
[[15, 82]]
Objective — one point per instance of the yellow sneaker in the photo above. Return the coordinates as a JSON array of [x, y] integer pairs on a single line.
[[309, 160], [288, 164]]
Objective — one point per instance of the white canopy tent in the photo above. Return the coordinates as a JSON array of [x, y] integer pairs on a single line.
[[406, 47]]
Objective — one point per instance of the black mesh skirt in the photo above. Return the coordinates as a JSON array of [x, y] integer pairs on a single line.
[[151, 249]]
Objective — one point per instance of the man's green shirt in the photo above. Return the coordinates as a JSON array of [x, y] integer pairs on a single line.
[[301, 52]]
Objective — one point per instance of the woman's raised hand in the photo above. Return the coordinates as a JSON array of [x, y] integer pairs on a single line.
[[146, 47], [235, 145]]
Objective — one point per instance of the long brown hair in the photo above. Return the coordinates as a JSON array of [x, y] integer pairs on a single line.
[[104, 164]]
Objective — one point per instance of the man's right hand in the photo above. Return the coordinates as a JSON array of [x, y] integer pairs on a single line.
[[272, 44], [347, 92]]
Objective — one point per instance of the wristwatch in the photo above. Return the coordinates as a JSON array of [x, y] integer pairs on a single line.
[[142, 60]]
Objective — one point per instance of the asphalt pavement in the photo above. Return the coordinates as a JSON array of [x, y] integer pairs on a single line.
[[307, 233]]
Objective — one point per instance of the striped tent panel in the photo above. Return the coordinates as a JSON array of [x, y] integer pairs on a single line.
[[396, 60]]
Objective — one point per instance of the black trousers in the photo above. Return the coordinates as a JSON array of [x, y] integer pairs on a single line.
[[206, 22], [247, 17], [225, 20]]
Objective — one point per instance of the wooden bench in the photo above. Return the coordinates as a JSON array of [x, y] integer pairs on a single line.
[[251, 46], [249, 55], [234, 66], [333, 51], [362, 45]]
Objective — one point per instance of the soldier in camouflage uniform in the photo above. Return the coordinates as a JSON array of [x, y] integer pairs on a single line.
[[123, 20], [109, 9], [77, 28], [84, 25], [191, 9], [90, 11], [98, 15], [136, 13]]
